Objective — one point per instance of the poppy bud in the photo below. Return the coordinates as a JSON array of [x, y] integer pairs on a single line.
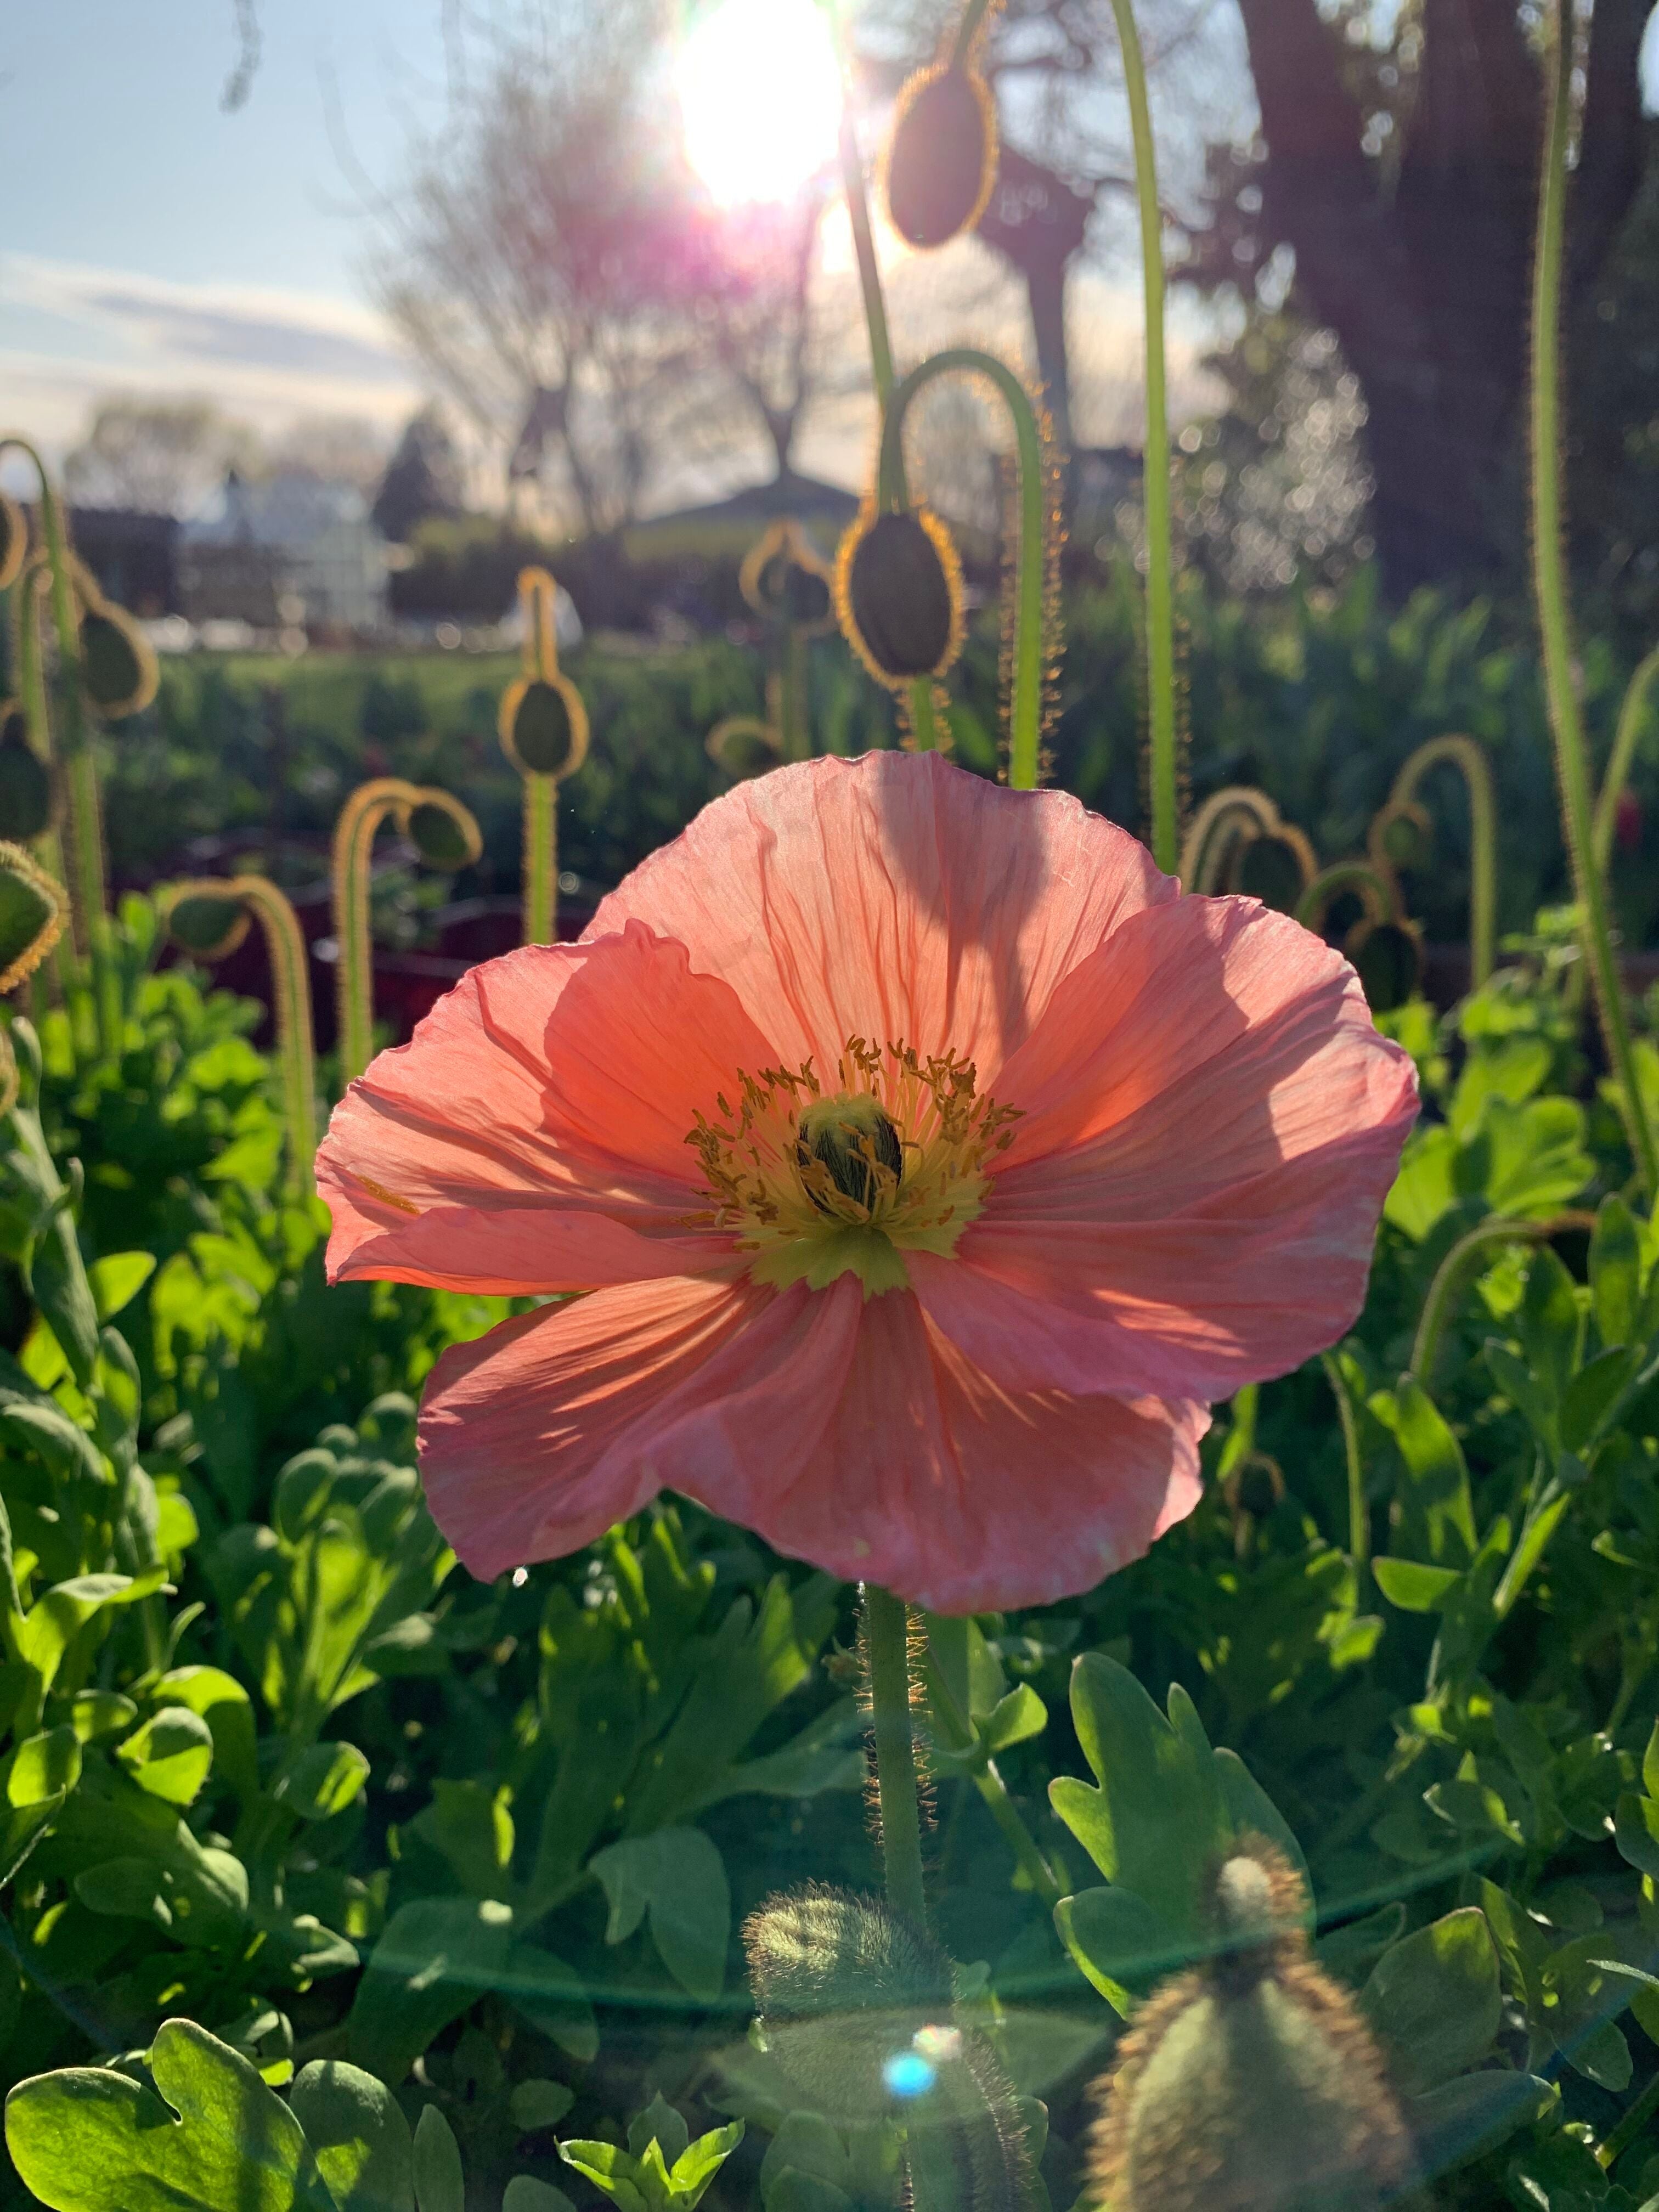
[[1276, 867], [1387, 959], [14, 541], [544, 725], [211, 928], [942, 155], [898, 593], [118, 668], [783, 579], [1252, 2083], [26, 798], [445, 837], [1627, 823], [33, 910], [743, 745]]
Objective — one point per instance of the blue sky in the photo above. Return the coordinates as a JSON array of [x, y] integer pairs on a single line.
[[152, 240]]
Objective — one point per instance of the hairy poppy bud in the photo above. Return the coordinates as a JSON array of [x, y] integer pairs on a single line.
[[898, 593], [26, 796], [33, 910], [14, 541], [118, 668], [783, 578], [1251, 2084], [211, 928], [544, 725], [942, 155], [1388, 957], [445, 837], [1276, 867]]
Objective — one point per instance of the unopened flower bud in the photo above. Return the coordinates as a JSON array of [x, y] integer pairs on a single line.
[[942, 155], [26, 795], [783, 578], [743, 745], [210, 928], [1252, 2083], [898, 593], [33, 911], [1388, 957], [544, 725], [118, 668], [445, 837]]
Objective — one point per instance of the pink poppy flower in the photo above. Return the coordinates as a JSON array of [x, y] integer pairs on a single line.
[[929, 1162]]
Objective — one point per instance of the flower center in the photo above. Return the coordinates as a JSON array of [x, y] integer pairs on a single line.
[[816, 1185]]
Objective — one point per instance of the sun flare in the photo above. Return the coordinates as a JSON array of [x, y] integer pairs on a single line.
[[760, 96]]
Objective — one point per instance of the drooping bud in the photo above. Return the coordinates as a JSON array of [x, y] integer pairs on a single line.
[[544, 725], [118, 668], [942, 153], [1276, 867], [1388, 957], [33, 911], [898, 593], [210, 928], [855, 1143], [14, 541], [743, 745], [26, 792], [1251, 2083], [783, 578], [444, 834]]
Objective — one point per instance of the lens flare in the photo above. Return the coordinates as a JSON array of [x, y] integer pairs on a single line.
[[760, 98], [908, 2074]]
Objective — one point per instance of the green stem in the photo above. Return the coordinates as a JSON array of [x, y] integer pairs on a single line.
[[1160, 590], [988, 1781], [1632, 2121], [1632, 715], [1541, 1525], [1360, 1513], [962, 46], [1549, 580], [1463, 754], [887, 1642], [1450, 1276], [540, 860], [1025, 687], [1357, 876]]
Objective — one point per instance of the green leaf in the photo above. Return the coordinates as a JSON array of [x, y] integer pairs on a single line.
[[1650, 1764], [1615, 1271], [470, 1827], [1413, 1587], [223, 1704], [676, 1874], [359, 2135], [524, 2193], [552, 1997], [536, 2104], [661, 2124], [324, 1780], [171, 1755], [439, 2181], [118, 1279], [59, 1613], [1435, 1997], [434, 1957], [1464, 2119], [1636, 1827], [1014, 1718], [43, 1768], [1436, 1519], [1592, 1396], [611, 2169], [20, 1830], [88, 2140], [697, 2165], [1119, 1941]]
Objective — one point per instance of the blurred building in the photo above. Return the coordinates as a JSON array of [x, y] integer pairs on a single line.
[[134, 557], [293, 551]]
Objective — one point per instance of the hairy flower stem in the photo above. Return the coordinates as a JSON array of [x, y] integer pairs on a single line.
[[918, 699], [1356, 876], [1160, 590], [887, 1642], [1632, 715], [1452, 1274], [1463, 754], [1360, 1513], [1031, 578], [973, 16], [1550, 587]]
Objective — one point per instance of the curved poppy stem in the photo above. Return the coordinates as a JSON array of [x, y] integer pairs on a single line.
[[1467, 757], [1450, 1277], [32, 697], [887, 1645], [1357, 876], [1030, 565], [973, 16], [1165, 765], [1359, 1511], [1550, 589], [1632, 715], [290, 971]]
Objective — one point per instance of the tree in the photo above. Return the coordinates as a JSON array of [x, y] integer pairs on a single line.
[[155, 455], [422, 479]]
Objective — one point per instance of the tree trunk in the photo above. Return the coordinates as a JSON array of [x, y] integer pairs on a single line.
[[1036, 221]]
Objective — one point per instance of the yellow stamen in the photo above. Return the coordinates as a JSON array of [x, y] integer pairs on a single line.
[[894, 1160]]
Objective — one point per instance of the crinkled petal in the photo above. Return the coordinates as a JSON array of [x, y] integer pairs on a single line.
[[891, 897], [1211, 1125], [538, 1437], [931, 1481], [549, 1094]]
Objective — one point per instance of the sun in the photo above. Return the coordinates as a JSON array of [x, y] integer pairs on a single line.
[[760, 96]]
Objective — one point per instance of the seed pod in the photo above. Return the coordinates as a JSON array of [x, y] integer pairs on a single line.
[[1252, 2083], [33, 911], [544, 725], [118, 668], [445, 837], [1388, 957], [211, 928], [1276, 868], [26, 792], [942, 153], [14, 541], [743, 745], [783, 579], [898, 593]]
